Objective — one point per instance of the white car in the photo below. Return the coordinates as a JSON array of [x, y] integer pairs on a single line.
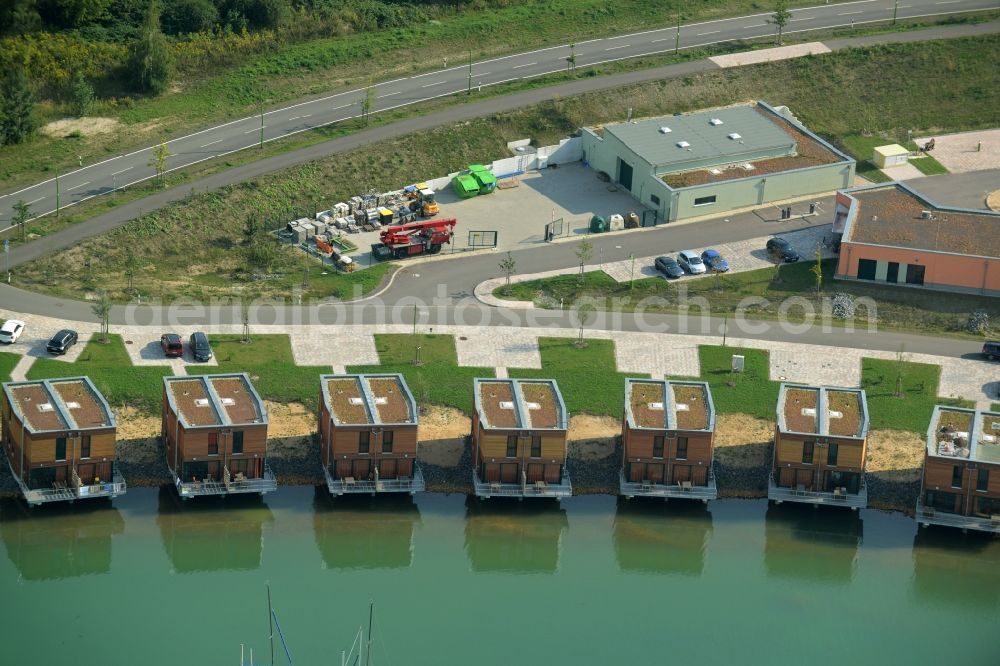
[[11, 331], [691, 262]]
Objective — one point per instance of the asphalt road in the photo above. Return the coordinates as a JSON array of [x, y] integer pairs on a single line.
[[123, 170]]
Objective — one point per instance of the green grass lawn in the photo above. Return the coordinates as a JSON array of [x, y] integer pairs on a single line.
[[752, 392], [7, 363], [438, 380], [929, 166], [588, 378], [913, 410], [111, 370], [995, 407], [269, 363]]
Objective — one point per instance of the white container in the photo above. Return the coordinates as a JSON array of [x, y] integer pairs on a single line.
[[616, 222]]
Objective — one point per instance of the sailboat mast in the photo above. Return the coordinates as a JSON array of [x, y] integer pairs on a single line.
[[371, 614], [270, 622]]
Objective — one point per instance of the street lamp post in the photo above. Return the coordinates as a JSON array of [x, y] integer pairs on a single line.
[[631, 273], [677, 39], [895, 7], [57, 194]]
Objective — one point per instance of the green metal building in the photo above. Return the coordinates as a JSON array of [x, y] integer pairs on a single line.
[[714, 161]]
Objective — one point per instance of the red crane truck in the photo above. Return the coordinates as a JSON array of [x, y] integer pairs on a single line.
[[406, 240]]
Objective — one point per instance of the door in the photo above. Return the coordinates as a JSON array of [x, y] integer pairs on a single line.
[[508, 473], [866, 269], [682, 473], [362, 469], [892, 272], [387, 468], [636, 472], [654, 473], [804, 478], [786, 477], [625, 174], [344, 469], [492, 473], [553, 473], [536, 472], [405, 467]]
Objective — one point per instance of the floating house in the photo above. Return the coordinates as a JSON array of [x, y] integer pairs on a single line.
[[215, 434], [961, 478], [519, 431], [368, 434], [820, 446], [667, 436], [59, 437]]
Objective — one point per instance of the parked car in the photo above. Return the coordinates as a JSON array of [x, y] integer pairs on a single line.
[[669, 267], [691, 262], [782, 250], [62, 341], [11, 331], [200, 349], [171, 345], [991, 350], [714, 261]]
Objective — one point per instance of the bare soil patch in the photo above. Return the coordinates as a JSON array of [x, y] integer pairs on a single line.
[[133, 424], [442, 436], [290, 419], [895, 455], [86, 126], [743, 441], [586, 426]]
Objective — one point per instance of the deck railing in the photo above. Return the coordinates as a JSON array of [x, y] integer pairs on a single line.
[[928, 515], [267, 483], [75, 489], [350, 485], [858, 500], [487, 489], [650, 489]]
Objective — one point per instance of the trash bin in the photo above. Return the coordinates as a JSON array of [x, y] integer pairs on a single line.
[[598, 225]]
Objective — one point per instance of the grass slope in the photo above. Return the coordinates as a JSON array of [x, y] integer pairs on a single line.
[[911, 411], [7, 363], [438, 380], [111, 370]]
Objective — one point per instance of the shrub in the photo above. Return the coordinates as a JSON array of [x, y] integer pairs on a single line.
[[182, 17], [150, 65], [16, 106], [81, 94]]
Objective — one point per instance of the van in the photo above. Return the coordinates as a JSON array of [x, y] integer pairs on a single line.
[[200, 349]]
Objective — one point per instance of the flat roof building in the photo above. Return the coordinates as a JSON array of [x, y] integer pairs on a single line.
[[960, 485], [820, 446], [892, 234], [519, 432], [368, 434], [59, 436], [667, 436], [215, 434], [717, 160]]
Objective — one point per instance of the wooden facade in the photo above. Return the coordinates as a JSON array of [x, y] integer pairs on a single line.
[[667, 435], [214, 430], [820, 446], [960, 484], [368, 426], [59, 437], [519, 433]]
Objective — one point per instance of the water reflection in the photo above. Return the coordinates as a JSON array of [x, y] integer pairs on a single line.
[[956, 569], [59, 541], [661, 537], [512, 536], [363, 532], [212, 533], [812, 543]]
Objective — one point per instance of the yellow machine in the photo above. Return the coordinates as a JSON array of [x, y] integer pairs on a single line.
[[422, 199]]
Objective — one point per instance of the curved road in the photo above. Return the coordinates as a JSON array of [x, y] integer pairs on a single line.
[[124, 170]]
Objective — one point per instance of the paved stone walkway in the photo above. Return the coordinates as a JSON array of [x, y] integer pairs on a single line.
[[770, 55], [501, 348], [958, 154], [903, 171]]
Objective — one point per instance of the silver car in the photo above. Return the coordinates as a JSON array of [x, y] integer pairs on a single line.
[[691, 262]]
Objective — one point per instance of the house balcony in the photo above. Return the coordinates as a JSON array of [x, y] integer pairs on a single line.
[[928, 515], [487, 489], [683, 490], [74, 489], [349, 485], [229, 485], [836, 497]]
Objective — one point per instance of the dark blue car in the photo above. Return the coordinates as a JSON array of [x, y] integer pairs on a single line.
[[669, 267], [714, 262]]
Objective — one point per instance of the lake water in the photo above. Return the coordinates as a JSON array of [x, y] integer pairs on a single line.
[[151, 581]]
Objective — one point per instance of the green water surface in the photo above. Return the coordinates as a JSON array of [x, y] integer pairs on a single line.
[[149, 580]]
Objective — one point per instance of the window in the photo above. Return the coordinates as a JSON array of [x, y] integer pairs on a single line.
[[704, 201], [655, 200], [238, 441], [831, 455], [682, 448], [364, 438], [956, 476], [892, 273], [983, 480], [213, 443], [387, 437], [807, 453], [60, 448], [914, 274], [511, 446], [85, 446], [658, 447], [866, 269], [536, 446]]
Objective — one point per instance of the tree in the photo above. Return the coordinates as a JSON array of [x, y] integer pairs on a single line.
[[150, 65], [22, 213], [584, 253], [102, 309], [508, 266], [584, 311], [159, 161], [780, 17], [182, 17], [16, 105], [817, 270], [900, 366], [367, 104], [18, 17], [81, 94], [130, 264]]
